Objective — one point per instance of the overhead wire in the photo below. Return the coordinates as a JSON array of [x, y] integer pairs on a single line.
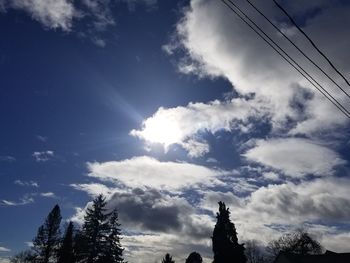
[[287, 58], [298, 48], [311, 42]]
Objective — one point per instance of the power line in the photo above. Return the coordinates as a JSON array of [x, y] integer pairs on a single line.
[[312, 43], [302, 52], [298, 68]]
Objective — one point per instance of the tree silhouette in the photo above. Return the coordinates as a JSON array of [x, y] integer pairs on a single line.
[[225, 242], [47, 241], [298, 242], [112, 250], [66, 251], [168, 259], [94, 231], [194, 257]]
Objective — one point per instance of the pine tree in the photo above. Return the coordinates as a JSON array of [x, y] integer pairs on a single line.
[[112, 251], [225, 242], [46, 243], [94, 230], [66, 251], [168, 259]]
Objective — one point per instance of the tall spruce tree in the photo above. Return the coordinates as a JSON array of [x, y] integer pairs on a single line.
[[47, 241], [66, 251], [94, 231], [112, 250], [225, 242]]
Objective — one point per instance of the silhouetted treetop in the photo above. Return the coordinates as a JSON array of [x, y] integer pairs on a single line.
[[66, 251], [298, 242], [168, 259], [225, 242], [194, 257], [47, 241]]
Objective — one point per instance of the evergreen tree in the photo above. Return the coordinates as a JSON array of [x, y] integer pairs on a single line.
[[66, 252], [225, 242], [112, 251], [168, 259], [194, 257], [47, 241], [94, 231]]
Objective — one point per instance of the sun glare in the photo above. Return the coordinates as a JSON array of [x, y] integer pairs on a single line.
[[162, 130]]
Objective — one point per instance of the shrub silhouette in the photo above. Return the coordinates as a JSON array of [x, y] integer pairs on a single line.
[[194, 257]]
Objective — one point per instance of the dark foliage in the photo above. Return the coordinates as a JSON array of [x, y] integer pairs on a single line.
[[298, 242], [225, 242], [47, 241], [66, 251], [112, 250], [168, 259], [99, 239], [194, 257]]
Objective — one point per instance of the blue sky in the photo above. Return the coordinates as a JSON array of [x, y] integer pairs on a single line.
[[168, 107]]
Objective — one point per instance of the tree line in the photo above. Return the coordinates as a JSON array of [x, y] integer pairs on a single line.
[[98, 240]]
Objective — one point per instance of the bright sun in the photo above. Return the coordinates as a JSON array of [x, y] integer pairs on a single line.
[[161, 129]]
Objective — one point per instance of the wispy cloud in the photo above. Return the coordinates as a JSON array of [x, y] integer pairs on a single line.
[[7, 158], [180, 125], [27, 199], [43, 156], [296, 157], [26, 183], [42, 138], [87, 18], [48, 195], [4, 249], [53, 14], [145, 171]]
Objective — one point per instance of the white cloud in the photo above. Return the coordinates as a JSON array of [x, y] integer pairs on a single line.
[[211, 198], [54, 14], [102, 13], [48, 194], [320, 200], [93, 16], [295, 157], [4, 249], [27, 199], [152, 248], [228, 48], [93, 189], [43, 156], [178, 125], [195, 148], [148, 172], [271, 176], [26, 183]]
